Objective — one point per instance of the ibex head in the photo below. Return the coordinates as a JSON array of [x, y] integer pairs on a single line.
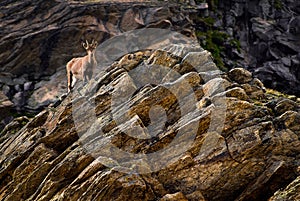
[[90, 47]]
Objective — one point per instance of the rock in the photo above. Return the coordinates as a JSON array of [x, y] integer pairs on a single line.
[[277, 75], [289, 120], [254, 92], [260, 50], [209, 75], [174, 197], [286, 61], [47, 91], [19, 81], [28, 86], [259, 84], [215, 86], [5, 110], [5, 102], [6, 78], [18, 88], [262, 28], [230, 20], [237, 92], [240, 75], [267, 35], [19, 100], [291, 192], [285, 105], [160, 143], [294, 26], [6, 90], [13, 126], [128, 23], [51, 40], [215, 141]]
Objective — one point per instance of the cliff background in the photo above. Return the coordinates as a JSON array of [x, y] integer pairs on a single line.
[[256, 155], [38, 39]]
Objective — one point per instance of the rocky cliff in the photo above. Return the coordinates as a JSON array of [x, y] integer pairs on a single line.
[[38, 38], [260, 35], [158, 120], [35, 44], [158, 124]]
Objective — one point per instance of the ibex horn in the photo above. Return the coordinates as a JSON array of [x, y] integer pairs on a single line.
[[94, 43], [85, 45]]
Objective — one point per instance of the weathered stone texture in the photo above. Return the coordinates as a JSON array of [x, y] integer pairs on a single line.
[[252, 152]]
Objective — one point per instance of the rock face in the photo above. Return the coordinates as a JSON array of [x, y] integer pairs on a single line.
[[38, 38], [157, 125], [269, 35], [291, 192], [35, 44], [5, 107]]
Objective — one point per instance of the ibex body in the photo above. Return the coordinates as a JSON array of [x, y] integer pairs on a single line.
[[82, 67]]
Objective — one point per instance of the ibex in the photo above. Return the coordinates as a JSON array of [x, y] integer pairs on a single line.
[[82, 67]]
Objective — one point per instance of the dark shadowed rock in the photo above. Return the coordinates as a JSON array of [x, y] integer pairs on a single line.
[[291, 192], [5, 109], [268, 32], [285, 105]]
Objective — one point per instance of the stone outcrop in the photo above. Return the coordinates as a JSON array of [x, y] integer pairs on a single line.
[[198, 134]]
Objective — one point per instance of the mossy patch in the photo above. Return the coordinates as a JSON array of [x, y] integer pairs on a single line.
[[213, 41], [278, 5], [236, 43], [276, 93]]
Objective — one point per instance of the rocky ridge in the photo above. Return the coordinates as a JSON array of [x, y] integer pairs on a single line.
[[244, 138]]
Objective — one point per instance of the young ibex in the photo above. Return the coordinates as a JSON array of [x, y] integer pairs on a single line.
[[82, 67]]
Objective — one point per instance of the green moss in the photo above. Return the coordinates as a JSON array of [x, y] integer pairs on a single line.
[[213, 4], [236, 43], [276, 93], [214, 40], [209, 21], [218, 37], [278, 4], [16, 114]]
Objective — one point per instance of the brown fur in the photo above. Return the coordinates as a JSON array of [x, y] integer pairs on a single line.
[[82, 68]]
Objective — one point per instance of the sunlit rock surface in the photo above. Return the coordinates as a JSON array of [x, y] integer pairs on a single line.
[[192, 135]]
